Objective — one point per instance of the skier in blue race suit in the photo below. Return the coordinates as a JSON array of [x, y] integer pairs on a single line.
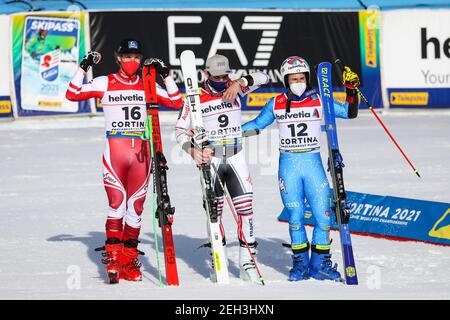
[[299, 116]]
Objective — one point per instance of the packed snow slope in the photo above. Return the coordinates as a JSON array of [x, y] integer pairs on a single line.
[[53, 210]]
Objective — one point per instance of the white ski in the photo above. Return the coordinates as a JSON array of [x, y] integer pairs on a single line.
[[200, 140]]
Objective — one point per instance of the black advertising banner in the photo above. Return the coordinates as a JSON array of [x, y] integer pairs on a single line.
[[252, 40]]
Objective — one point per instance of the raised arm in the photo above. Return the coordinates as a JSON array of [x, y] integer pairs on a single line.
[[171, 97], [351, 107], [96, 88], [245, 85], [77, 91]]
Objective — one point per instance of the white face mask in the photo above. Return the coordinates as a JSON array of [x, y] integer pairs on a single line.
[[298, 88]]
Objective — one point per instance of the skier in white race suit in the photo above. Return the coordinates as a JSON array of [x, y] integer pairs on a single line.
[[221, 114]]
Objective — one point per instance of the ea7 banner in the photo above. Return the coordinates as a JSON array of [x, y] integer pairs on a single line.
[[251, 40], [46, 54]]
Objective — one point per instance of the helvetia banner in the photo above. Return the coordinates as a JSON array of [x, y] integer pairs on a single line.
[[252, 40], [46, 54]]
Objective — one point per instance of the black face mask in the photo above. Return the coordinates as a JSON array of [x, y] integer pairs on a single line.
[[218, 86]]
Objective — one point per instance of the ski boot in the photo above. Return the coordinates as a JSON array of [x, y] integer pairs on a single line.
[[130, 265], [300, 262], [321, 267], [300, 267], [247, 267], [112, 257]]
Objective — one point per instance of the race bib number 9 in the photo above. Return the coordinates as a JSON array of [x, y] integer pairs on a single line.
[[222, 120]]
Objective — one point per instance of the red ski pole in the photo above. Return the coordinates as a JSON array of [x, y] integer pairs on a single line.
[[339, 63]]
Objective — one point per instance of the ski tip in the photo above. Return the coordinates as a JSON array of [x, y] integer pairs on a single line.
[[187, 54]]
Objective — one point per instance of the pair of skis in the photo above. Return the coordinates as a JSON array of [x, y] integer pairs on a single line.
[[335, 162], [200, 141], [162, 209]]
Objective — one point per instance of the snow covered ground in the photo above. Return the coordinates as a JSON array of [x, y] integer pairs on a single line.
[[52, 213]]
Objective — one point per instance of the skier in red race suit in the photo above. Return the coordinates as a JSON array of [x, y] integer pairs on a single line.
[[126, 159]]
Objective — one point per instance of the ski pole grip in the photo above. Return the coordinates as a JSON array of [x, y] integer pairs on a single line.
[[340, 65], [341, 68]]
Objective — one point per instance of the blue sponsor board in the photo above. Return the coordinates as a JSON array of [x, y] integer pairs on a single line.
[[395, 217], [419, 97]]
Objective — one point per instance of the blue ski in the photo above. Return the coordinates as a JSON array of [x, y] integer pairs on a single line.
[[336, 164]]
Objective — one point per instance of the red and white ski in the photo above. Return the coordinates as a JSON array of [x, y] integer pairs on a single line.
[[164, 210]]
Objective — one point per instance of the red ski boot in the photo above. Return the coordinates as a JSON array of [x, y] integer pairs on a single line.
[[130, 266], [112, 258]]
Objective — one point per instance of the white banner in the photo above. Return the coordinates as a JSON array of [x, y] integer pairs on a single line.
[[5, 70], [5, 75], [415, 48]]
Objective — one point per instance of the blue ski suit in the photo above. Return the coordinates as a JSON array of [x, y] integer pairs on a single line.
[[301, 173]]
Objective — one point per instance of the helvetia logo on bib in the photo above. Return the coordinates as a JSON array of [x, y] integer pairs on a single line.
[[441, 228], [316, 113], [49, 65]]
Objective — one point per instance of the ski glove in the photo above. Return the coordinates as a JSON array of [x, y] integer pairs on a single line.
[[351, 79], [159, 65], [90, 59]]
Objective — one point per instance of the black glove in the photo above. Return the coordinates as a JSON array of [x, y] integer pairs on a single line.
[[90, 59], [159, 65]]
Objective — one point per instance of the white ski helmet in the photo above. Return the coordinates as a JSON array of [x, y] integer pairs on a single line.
[[293, 65]]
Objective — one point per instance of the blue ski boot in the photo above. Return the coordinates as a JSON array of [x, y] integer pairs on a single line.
[[299, 269], [321, 267]]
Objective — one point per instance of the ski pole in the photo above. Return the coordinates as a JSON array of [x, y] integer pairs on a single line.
[[233, 210], [339, 63]]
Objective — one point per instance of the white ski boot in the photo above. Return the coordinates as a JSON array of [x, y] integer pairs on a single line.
[[247, 268]]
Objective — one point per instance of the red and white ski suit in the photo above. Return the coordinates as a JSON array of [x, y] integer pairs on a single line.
[[126, 159]]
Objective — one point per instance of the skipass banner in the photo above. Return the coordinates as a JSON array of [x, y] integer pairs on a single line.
[[46, 51], [393, 217], [251, 40], [416, 58]]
